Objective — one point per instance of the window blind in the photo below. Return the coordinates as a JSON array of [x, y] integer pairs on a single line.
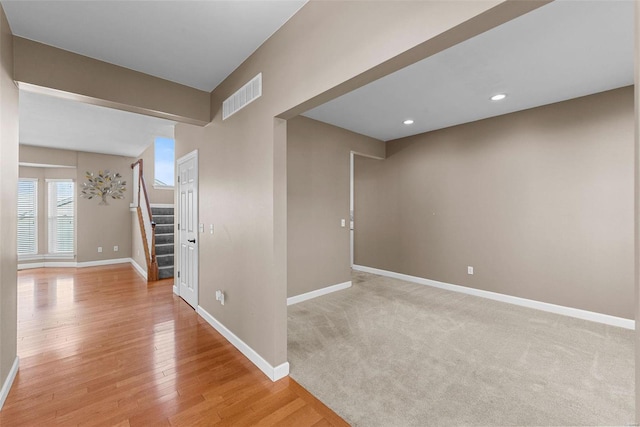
[[27, 217], [61, 208]]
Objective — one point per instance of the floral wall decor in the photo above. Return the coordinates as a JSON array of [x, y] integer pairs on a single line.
[[103, 185]]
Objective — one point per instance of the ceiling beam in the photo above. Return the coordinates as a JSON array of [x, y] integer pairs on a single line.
[[52, 71]]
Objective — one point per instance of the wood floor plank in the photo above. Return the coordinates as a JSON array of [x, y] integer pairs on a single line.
[[100, 346]]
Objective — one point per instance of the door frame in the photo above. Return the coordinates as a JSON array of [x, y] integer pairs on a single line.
[[352, 217], [176, 244], [351, 206]]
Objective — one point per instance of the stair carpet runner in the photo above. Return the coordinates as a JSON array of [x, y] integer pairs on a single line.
[[163, 217]]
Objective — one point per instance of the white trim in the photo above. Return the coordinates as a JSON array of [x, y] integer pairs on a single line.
[[59, 256], [274, 373], [163, 187], [45, 165], [138, 268], [47, 264], [30, 257], [103, 262], [318, 293], [31, 265], [538, 305], [6, 387], [351, 203], [187, 156], [75, 264], [43, 257], [176, 290], [161, 205], [280, 371], [61, 264], [59, 180]]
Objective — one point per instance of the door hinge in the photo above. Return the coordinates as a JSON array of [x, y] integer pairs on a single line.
[[178, 178], [178, 274]]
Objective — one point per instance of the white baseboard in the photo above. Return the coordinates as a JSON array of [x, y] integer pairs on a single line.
[[317, 293], [176, 290], [26, 266], [138, 268], [47, 264], [161, 205], [538, 305], [103, 262], [274, 373], [74, 264], [8, 382]]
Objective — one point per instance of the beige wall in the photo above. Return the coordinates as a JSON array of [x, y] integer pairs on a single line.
[[63, 73], [48, 156], [104, 226], [539, 202], [8, 198], [318, 176], [326, 49], [96, 225]]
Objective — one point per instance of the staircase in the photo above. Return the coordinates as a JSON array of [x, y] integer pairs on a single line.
[[163, 217]]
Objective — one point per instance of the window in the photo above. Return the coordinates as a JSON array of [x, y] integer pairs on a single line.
[[164, 162], [61, 203], [27, 216]]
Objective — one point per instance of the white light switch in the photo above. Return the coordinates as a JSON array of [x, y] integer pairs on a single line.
[[470, 270], [99, 248], [201, 228], [115, 249], [343, 222], [210, 228]]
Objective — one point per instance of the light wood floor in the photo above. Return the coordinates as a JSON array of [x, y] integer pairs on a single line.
[[100, 346]]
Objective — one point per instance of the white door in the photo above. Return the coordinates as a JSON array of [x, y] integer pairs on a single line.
[[188, 228]]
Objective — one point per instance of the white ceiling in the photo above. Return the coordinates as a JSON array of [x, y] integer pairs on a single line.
[[47, 121], [196, 43], [560, 51]]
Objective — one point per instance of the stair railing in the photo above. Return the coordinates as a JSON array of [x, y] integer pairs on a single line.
[[145, 219]]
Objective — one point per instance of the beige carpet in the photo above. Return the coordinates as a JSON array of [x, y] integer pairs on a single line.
[[390, 353]]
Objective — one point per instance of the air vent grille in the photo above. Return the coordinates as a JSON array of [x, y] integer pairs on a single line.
[[243, 97]]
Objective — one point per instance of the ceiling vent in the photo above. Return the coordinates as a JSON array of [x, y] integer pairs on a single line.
[[243, 97]]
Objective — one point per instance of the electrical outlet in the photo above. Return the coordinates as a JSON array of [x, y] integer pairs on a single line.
[[470, 270], [343, 223], [115, 248], [210, 228], [220, 296], [99, 249]]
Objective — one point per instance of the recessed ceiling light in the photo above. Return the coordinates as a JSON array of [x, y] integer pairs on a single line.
[[499, 97], [408, 122]]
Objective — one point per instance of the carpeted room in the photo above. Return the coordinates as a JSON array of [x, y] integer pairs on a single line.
[[539, 202]]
